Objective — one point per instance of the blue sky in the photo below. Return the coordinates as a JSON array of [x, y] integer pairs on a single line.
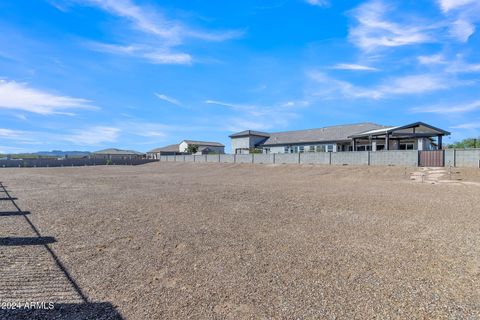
[[139, 74]]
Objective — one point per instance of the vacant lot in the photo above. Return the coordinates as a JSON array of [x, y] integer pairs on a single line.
[[180, 240]]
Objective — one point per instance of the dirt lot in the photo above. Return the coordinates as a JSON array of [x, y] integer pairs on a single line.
[[180, 240]]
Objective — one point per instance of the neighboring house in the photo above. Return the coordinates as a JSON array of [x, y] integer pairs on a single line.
[[113, 153], [204, 147], [169, 150], [351, 137]]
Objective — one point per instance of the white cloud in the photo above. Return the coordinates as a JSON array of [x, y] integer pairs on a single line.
[[353, 67], [158, 35], [374, 30], [448, 5], [318, 3], [258, 117], [469, 125], [406, 85], [93, 136], [153, 55], [462, 29], [449, 109], [167, 99], [19, 96], [432, 59]]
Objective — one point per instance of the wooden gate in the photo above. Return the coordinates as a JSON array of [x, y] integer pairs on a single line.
[[432, 158]]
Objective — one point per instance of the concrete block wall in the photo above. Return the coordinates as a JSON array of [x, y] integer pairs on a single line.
[[467, 158], [213, 158], [458, 158], [227, 158], [358, 158], [315, 158], [263, 158], [243, 158], [394, 157], [287, 158], [201, 158]]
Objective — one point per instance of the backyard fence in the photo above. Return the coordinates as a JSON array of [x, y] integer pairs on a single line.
[[410, 158], [33, 163]]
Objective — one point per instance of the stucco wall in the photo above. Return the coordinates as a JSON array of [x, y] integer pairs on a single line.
[[189, 158], [240, 143]]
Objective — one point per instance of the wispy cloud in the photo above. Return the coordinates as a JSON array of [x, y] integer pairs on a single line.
[[167, 99], [468, 125], [318, 3], [406, 85], [259, 117], [353, 67], [449, 109], [93, 136], [152, 54], [19, 96], [432, 59], [157, 36], [373, 29], [448, 5]]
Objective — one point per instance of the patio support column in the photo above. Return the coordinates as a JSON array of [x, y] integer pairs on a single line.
[[354, 144], [439, 142], [387, 141]]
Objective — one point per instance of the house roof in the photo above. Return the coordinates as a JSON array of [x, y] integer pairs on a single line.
[[204, 143], [247, 133], [326, 134], [169, 148], [115, 151]]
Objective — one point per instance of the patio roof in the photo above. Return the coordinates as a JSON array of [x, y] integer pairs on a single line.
[[416, 129]]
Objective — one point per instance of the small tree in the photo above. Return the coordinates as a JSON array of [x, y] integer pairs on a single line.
[[192, 148]]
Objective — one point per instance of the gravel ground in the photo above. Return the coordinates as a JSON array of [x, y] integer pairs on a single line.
[[230, 241]]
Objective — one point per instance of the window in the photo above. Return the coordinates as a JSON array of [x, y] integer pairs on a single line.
[[406, 146], [286, 150], [266, 150], [329, 147], [311, 149], [360, 148], [295, 149], [380, 147], [320, 148], [301, 149]]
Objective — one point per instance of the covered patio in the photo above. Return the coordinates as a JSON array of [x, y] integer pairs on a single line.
[[415, 136]]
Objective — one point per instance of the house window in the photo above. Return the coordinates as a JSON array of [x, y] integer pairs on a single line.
[[320, 148], [311, 149], [406, 146], [301, 149], [266, 150], [295, 149], [286, 150], [329, 147], [380, 147], [360, 148]]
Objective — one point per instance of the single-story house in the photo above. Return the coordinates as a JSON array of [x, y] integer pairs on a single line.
[[351, 137], [204, 147], [113, 153]]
